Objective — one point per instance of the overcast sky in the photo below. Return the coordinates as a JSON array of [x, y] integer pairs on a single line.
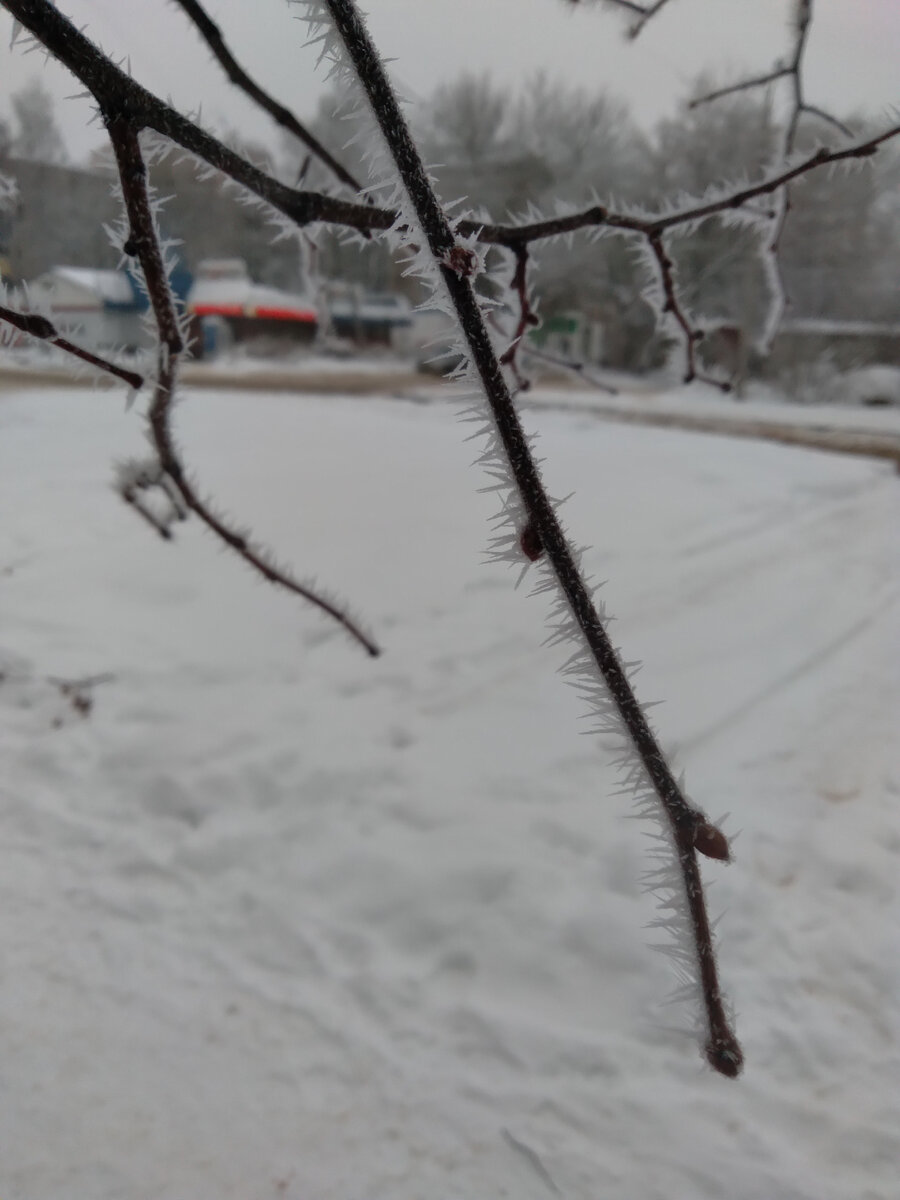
[[852, 62]]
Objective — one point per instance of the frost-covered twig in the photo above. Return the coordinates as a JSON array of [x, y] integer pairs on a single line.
[[673, 307], [736, 201], [779, 300], [793, 72], [136, 479], [726, 200], [528, 318], [453, 264], [38, 326], [212, 35], [577, 366], [744, 85], [652, 230], [643, 12], [115, 90], [143, 242]]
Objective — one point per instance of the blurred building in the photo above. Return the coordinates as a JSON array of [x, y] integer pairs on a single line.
[[368, 319], [98, 309], [233, 309]]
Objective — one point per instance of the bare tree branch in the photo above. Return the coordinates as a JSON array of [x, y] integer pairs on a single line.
[[577, 367], [583, 370], [779, 302], [37, 326], [145, 244], [745, 85], [527, 316], [829, 118], [673, 306], [643, 12], [652, 228], [689, 827], [212, 35], [597, 215], [119, 96], [793, 71], [803, 23], [518, 348]]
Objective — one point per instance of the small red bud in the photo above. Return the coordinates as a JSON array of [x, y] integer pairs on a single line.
[[711, 841], [461, 260], [530, 541]]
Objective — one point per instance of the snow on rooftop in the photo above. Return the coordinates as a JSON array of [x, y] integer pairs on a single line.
[[236, 295], [112, 287]]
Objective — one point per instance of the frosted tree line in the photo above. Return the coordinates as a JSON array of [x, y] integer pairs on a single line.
[[545, 143], [690, 201]]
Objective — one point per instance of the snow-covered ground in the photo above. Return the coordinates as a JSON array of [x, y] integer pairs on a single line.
[[43, 359], [304, 362], [761, 403], [280, 921]]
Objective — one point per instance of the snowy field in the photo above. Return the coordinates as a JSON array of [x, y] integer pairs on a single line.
[[278, 921], [761, 403]]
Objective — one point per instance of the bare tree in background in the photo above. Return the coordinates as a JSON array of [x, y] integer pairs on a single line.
[[448, 255], [469, 119], [37, 136]]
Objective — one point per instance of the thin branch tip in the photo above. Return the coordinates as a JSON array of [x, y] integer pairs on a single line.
[[576, 614]]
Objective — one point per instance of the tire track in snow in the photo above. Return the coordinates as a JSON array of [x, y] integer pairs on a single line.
[[787, 679]]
